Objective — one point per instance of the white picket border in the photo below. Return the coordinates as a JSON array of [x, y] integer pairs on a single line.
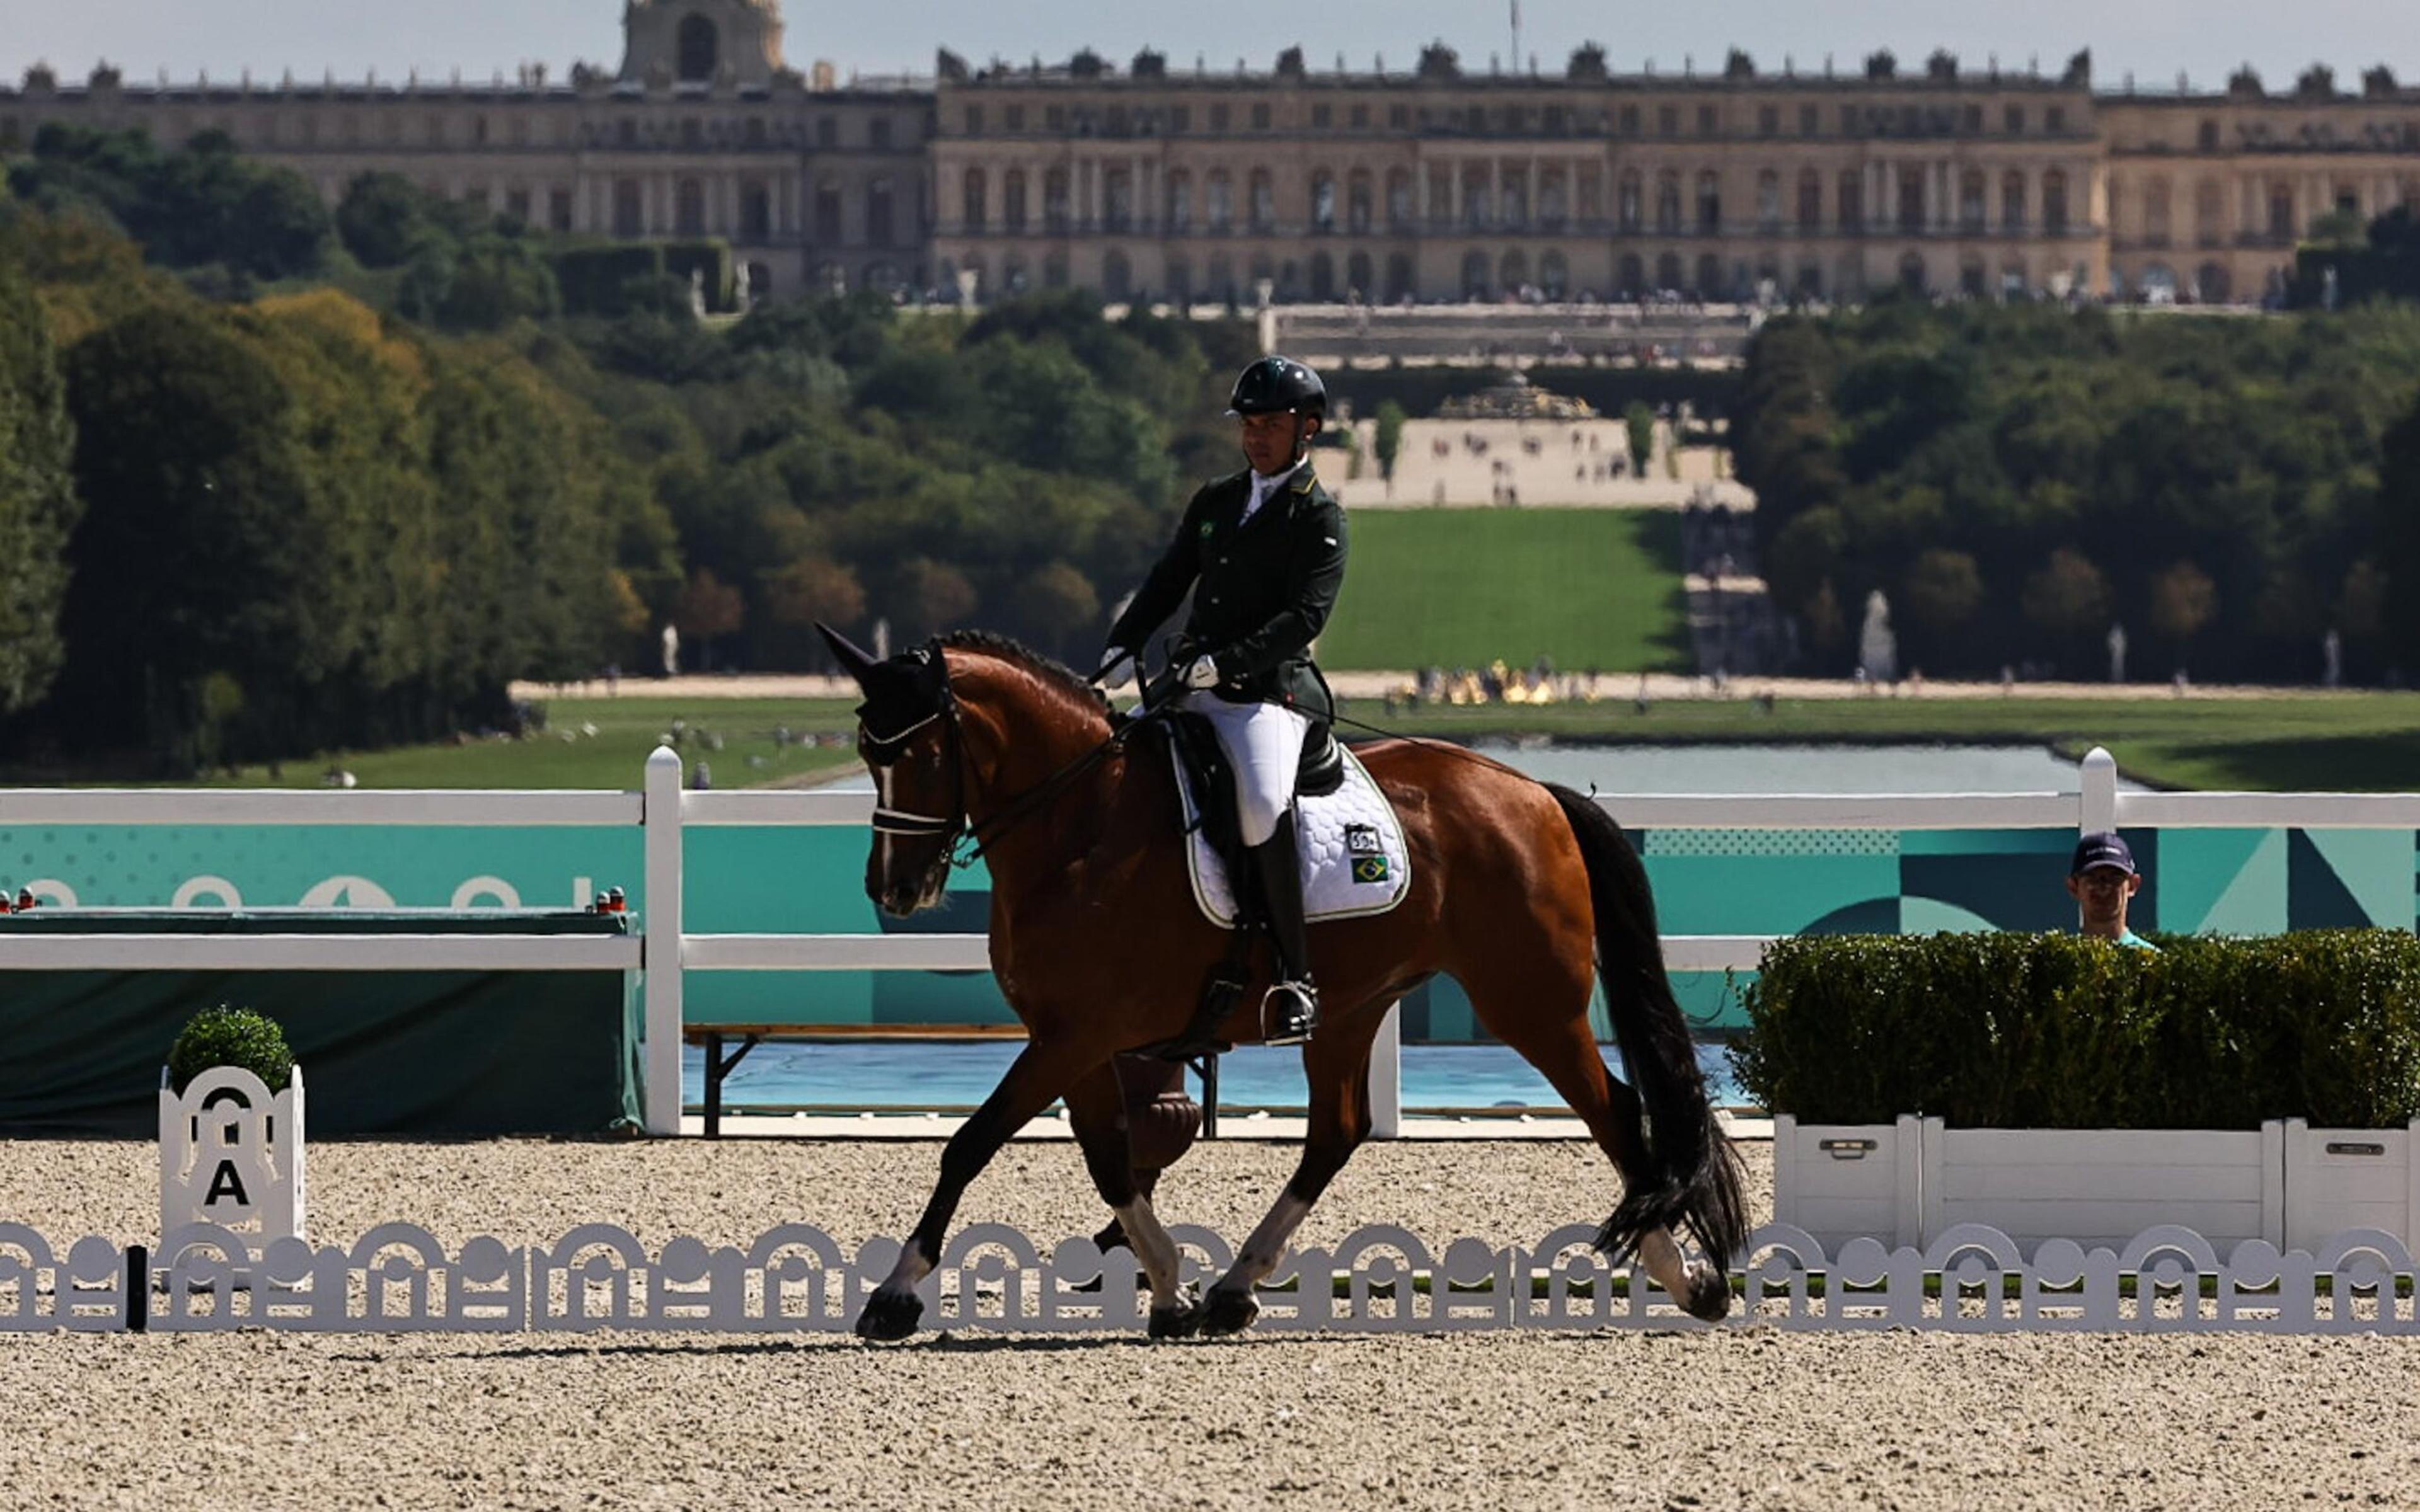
[[664, 952]]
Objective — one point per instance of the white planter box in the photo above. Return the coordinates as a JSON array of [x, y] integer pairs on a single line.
[[2340, 1178], [2101, 1187], [1842, 1182], [1909, 1182]]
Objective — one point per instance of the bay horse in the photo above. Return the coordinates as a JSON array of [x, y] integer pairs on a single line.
[[1517, 890]]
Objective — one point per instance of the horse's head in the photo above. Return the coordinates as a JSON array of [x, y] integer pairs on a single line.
[[907, 732]]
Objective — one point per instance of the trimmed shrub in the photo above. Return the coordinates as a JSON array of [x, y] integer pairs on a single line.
[[2055, 1031], [226, 1036], [710, 257], [593, 280]]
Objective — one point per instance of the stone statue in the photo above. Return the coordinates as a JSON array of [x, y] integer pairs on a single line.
[[672, 650], [697, 292], [2116, 653], [2332, 659], [882, 639], [1877, 645]]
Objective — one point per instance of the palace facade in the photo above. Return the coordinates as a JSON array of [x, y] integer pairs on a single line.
[[704, 130], [1440, 183], [1433, 183]]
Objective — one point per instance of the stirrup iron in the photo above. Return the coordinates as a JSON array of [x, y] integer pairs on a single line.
[[1289, 1014]]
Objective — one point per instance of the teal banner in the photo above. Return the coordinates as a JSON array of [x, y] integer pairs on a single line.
[[811, 880]]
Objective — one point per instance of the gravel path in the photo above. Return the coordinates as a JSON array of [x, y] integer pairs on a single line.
[[1683, 1418]]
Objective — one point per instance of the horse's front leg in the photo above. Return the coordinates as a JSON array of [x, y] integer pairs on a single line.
[[1096, 1111], [1045, 1070], [1337, 1066]]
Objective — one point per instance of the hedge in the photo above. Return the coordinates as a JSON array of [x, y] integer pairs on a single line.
[[709, 256], [2051, 1032], [226, 1036], [594, 279]]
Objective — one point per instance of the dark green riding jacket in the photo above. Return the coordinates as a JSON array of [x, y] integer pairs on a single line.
[[1262, 588]]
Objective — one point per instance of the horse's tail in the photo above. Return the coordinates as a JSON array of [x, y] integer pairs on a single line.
[[1693, 1178]]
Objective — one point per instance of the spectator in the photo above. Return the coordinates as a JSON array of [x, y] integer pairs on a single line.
[[2101, 878]]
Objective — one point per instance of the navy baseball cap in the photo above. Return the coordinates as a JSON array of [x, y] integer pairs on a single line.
[[2101, 849]]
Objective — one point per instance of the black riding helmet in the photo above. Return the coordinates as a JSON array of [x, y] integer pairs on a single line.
[[1275, 385]]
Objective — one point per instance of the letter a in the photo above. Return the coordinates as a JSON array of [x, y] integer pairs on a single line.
[[225, 1181]]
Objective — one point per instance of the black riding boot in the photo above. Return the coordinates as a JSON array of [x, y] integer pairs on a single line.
[[1291, 1011]]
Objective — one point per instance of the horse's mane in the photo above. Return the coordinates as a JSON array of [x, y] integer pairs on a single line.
[[1048, 670]]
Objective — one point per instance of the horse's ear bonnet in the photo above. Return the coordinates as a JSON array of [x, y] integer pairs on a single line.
[[901, 694]]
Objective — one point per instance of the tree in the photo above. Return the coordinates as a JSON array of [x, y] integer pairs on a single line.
[[1057, 608], [381, 219], [2183, 599], [931, 596], [497, 281], [1388, 442], [1827, 632], [2067, 597], [208, 550], [39, 507], [1941, 593], [708, 608], [1639, 422]]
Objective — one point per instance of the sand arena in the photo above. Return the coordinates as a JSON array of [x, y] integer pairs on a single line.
[[1680, 1418]]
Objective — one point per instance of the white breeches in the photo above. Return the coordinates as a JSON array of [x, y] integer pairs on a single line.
[[1264, 744]]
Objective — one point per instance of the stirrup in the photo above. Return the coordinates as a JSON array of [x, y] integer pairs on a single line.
[[1289, 1014]]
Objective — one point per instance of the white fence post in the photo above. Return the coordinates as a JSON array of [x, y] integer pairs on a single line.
[[1387, 1076], [660, 929], [2100, 807]]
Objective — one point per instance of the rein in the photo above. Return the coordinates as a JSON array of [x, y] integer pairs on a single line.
[[965, 838]]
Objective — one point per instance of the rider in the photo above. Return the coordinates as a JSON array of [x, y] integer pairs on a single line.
[[1263, 551]]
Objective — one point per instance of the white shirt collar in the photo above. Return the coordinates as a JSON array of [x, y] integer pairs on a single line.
[[1262, 488]]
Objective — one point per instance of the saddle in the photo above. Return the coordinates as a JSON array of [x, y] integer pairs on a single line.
[[1224, 877], [1201, 765]]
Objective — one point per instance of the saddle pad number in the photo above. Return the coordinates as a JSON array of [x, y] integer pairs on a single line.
[[1362, 840]]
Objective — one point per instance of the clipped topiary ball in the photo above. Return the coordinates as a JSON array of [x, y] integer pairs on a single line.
[[226, 1036]]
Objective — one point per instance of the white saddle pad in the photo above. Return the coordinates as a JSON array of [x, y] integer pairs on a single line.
[[1353, 859]]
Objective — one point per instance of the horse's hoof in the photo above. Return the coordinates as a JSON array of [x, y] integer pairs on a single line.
[[1228, 1310], [1179, 1319], [1179, 1322], [1710, 1295], [889, 1316]]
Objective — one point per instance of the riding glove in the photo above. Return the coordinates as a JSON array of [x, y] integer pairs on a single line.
[[1201, 672], [1110, 657]]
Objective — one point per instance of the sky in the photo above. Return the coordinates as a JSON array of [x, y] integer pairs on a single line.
[[2152, 38]]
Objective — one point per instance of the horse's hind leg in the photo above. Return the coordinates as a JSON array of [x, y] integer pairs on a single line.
[[1045, 1070], [1548, 1024], [1337, 1065], [1096, 1110]]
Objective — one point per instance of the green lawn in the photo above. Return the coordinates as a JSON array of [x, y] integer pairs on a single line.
[[2328, 742], [565, 755], [1464, 586], [2342, 742]]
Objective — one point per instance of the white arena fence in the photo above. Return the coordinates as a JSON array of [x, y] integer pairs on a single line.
[[665, 952], [797, 1279]]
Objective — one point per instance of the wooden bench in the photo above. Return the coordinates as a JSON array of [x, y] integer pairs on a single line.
[[719, 1065]]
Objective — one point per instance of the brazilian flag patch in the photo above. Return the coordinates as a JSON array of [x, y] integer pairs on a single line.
[[1370, 869]]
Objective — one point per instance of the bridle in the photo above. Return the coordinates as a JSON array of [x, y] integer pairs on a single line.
[[964, 838]]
